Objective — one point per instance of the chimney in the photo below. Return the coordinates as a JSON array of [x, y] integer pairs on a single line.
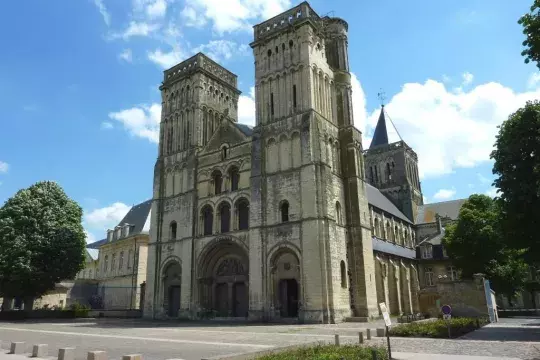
[[439, 224], [110, 235]]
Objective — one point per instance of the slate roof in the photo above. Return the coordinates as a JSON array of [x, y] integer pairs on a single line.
[[378, 200], [93, 253], [435, 239], [246, 129], [96, 244], [426, 213], [380, 137]]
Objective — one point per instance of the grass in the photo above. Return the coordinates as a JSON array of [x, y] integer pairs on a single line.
[[329, 352], [438, 328]]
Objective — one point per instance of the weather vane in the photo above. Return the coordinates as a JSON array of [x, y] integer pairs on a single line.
[[382, 97]]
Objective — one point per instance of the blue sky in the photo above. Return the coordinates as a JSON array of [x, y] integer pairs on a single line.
[[79, 85]]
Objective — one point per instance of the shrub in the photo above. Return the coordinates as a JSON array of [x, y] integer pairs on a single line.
[[438, 328], [329, 352]]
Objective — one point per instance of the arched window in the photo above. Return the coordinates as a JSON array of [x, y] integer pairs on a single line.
[[339, 218], [389, 235], [90, 274], [218, 180], [130, 255], [172, 230], [242, 208], [376, 227], [224, 150], [388, 172], [225, 217], [113, 261], [343, 275], [234, 176], [284, 211], [121, 261], [207, 220]]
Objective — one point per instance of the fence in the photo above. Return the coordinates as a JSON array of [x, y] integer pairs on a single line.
[[106, 297]]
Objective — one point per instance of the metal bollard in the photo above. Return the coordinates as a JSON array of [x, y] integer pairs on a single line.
[[132, 357], [66, 354], [336, 339], [17, 348], [96, 355], [368, 334], [39, 350], [360, 337], [374, 354]]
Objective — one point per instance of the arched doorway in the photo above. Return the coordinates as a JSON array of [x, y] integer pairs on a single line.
[[172, 281], [286, 283], [224, 279]]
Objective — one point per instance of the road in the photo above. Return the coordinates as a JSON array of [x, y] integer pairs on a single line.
[[193, 341]]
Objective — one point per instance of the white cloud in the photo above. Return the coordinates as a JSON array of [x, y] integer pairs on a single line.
[[450, 130], [103, 11], [156, 8], [492, 192], [246, 108], [446, 78], [106, 217], [126, 55], [191, 18], [4, 167], [90, 238], [467, 78], [482, 179], [142, 121], [358, 104], [234, 15], [220, 50], [166, 60], [136, 29], [106, 125], [444, 194], [534, 81]]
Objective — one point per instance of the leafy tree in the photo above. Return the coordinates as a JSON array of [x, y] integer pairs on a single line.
[[475, 243], [517, 164], [42, 241], [531, 29]]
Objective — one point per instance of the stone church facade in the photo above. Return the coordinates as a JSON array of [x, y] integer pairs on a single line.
[[290, 219]]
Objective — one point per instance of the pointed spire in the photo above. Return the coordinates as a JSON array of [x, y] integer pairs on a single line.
[[380, 137]]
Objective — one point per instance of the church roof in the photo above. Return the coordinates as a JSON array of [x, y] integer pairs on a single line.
[[378, 200], [246, 129], [446, 209], [96, 244], [380, 137]]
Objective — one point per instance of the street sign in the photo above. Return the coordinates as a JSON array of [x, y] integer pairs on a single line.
[[447, 316], [446, 309], [385, 314]]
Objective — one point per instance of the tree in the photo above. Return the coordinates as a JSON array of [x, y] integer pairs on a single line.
[[531, 29], [517, 165], [475, 243], [42, 241]]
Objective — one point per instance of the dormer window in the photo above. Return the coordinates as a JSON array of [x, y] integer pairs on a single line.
[[427, 251], [126, 230], [110, 234], [118, 232]]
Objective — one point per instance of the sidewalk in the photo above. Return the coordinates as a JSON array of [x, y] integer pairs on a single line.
[[416, 356]]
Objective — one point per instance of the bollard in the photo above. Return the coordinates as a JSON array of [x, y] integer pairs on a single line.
[[132, 357], [17, 348], [96, 355], [381, 332], [360, 337], [336, 339], [368, 334], [477, 323], [374, 354], [39, 351], [66, 354]]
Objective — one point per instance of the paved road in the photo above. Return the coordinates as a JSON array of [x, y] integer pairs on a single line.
[[190, 341]]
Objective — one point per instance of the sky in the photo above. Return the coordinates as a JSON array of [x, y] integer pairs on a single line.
[[81, 106]]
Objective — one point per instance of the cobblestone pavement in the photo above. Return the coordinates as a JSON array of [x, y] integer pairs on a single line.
[[192, 341]]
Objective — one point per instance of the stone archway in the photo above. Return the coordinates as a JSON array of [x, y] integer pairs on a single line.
[[285, 282], [224, 279], [172, 281]]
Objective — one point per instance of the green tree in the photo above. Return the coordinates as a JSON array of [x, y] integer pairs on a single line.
[[475, 243], [517, 165], [42, 241], [531, 29]]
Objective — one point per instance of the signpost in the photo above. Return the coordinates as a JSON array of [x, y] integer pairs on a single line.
[[387, 323], [447, 315]]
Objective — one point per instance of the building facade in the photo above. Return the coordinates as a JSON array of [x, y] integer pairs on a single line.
[[280, 220]]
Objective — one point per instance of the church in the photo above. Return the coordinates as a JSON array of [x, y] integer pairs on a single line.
[[291, 219]]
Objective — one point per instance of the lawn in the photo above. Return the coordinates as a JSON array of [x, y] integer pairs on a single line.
[[329, 352]]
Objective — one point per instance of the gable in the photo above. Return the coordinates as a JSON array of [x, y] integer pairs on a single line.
[[227, 132]]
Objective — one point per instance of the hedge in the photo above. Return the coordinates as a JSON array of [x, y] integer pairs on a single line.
[[74, 311], [329, 352], [438, 328]]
